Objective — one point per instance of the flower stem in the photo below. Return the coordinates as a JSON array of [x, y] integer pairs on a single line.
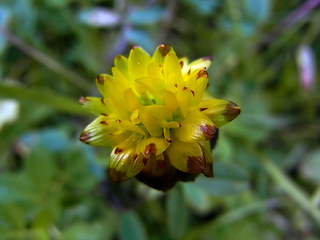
[[291, 189]]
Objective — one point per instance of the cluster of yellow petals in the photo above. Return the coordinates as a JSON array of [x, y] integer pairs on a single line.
[[156, 115]]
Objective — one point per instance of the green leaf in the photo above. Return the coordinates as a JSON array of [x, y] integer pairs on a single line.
[[139, 37], [197, 198], [131, 227], [146, 16], [43, 97], [229, 179], [40, 168], [310, 168], [176, 212], [259, 9], [86, 231]]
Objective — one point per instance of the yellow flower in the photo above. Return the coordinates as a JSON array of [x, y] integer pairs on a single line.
[[156, 115]]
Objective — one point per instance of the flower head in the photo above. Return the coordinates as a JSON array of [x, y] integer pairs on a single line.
[[156, 115]]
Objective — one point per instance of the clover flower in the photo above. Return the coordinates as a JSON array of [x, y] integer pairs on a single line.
[[157, 116]]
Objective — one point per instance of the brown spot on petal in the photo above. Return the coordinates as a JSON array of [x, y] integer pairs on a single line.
[[192, 92], [135, 157], [164, 49], [145, 161], [118, 150], [119, 121], [169, 140], [104, 114], [208, 85], [100, 79], [195, 164], [202, 109], [85, 137], [208, 131], [189, 71], [231, 111], [208, 171], [181, 64], [185, 88], [83, 100], [104, 123], [179, 124], [150, 148], [102, 100], [117, 176], [202, 74], [176, 85]]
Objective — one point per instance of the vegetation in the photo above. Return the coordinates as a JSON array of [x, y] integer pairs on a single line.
[[266, 162]]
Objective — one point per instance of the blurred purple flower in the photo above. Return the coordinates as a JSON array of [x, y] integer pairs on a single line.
[[306, 64], [99, 17]]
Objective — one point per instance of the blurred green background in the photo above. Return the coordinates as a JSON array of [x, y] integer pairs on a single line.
[[267, 161]]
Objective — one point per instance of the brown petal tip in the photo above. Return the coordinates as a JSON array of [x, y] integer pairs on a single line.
[[208, 171], [117, 176], [208, 131], [83, 100], [100, 79], [164, 49], [231, 111], [195, 164], [85, 137], [202, 74]]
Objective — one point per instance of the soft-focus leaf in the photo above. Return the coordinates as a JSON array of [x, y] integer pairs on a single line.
[[176, 212], [197, 198], [146, 16], [229, 179], [85, 231], [206, 7], [43, 97], [139, 37], [259, 10], [131, 227], [310, 167]]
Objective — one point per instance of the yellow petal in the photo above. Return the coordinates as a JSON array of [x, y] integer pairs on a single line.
[[135, 117], [172, 71], [219, 111], [170, 100], [185, 97], [103, 132], [149, 84], [121, 64], [153, 145], [96, 105], [204, 62], [186, 157], [137, 63], [155, 70], [125, 163], [196, 127], [132, 101], [160, 53], [153, 117], [197, 83], [100, 82]]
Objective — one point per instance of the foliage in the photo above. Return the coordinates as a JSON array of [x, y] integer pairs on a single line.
[[266, 183]]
